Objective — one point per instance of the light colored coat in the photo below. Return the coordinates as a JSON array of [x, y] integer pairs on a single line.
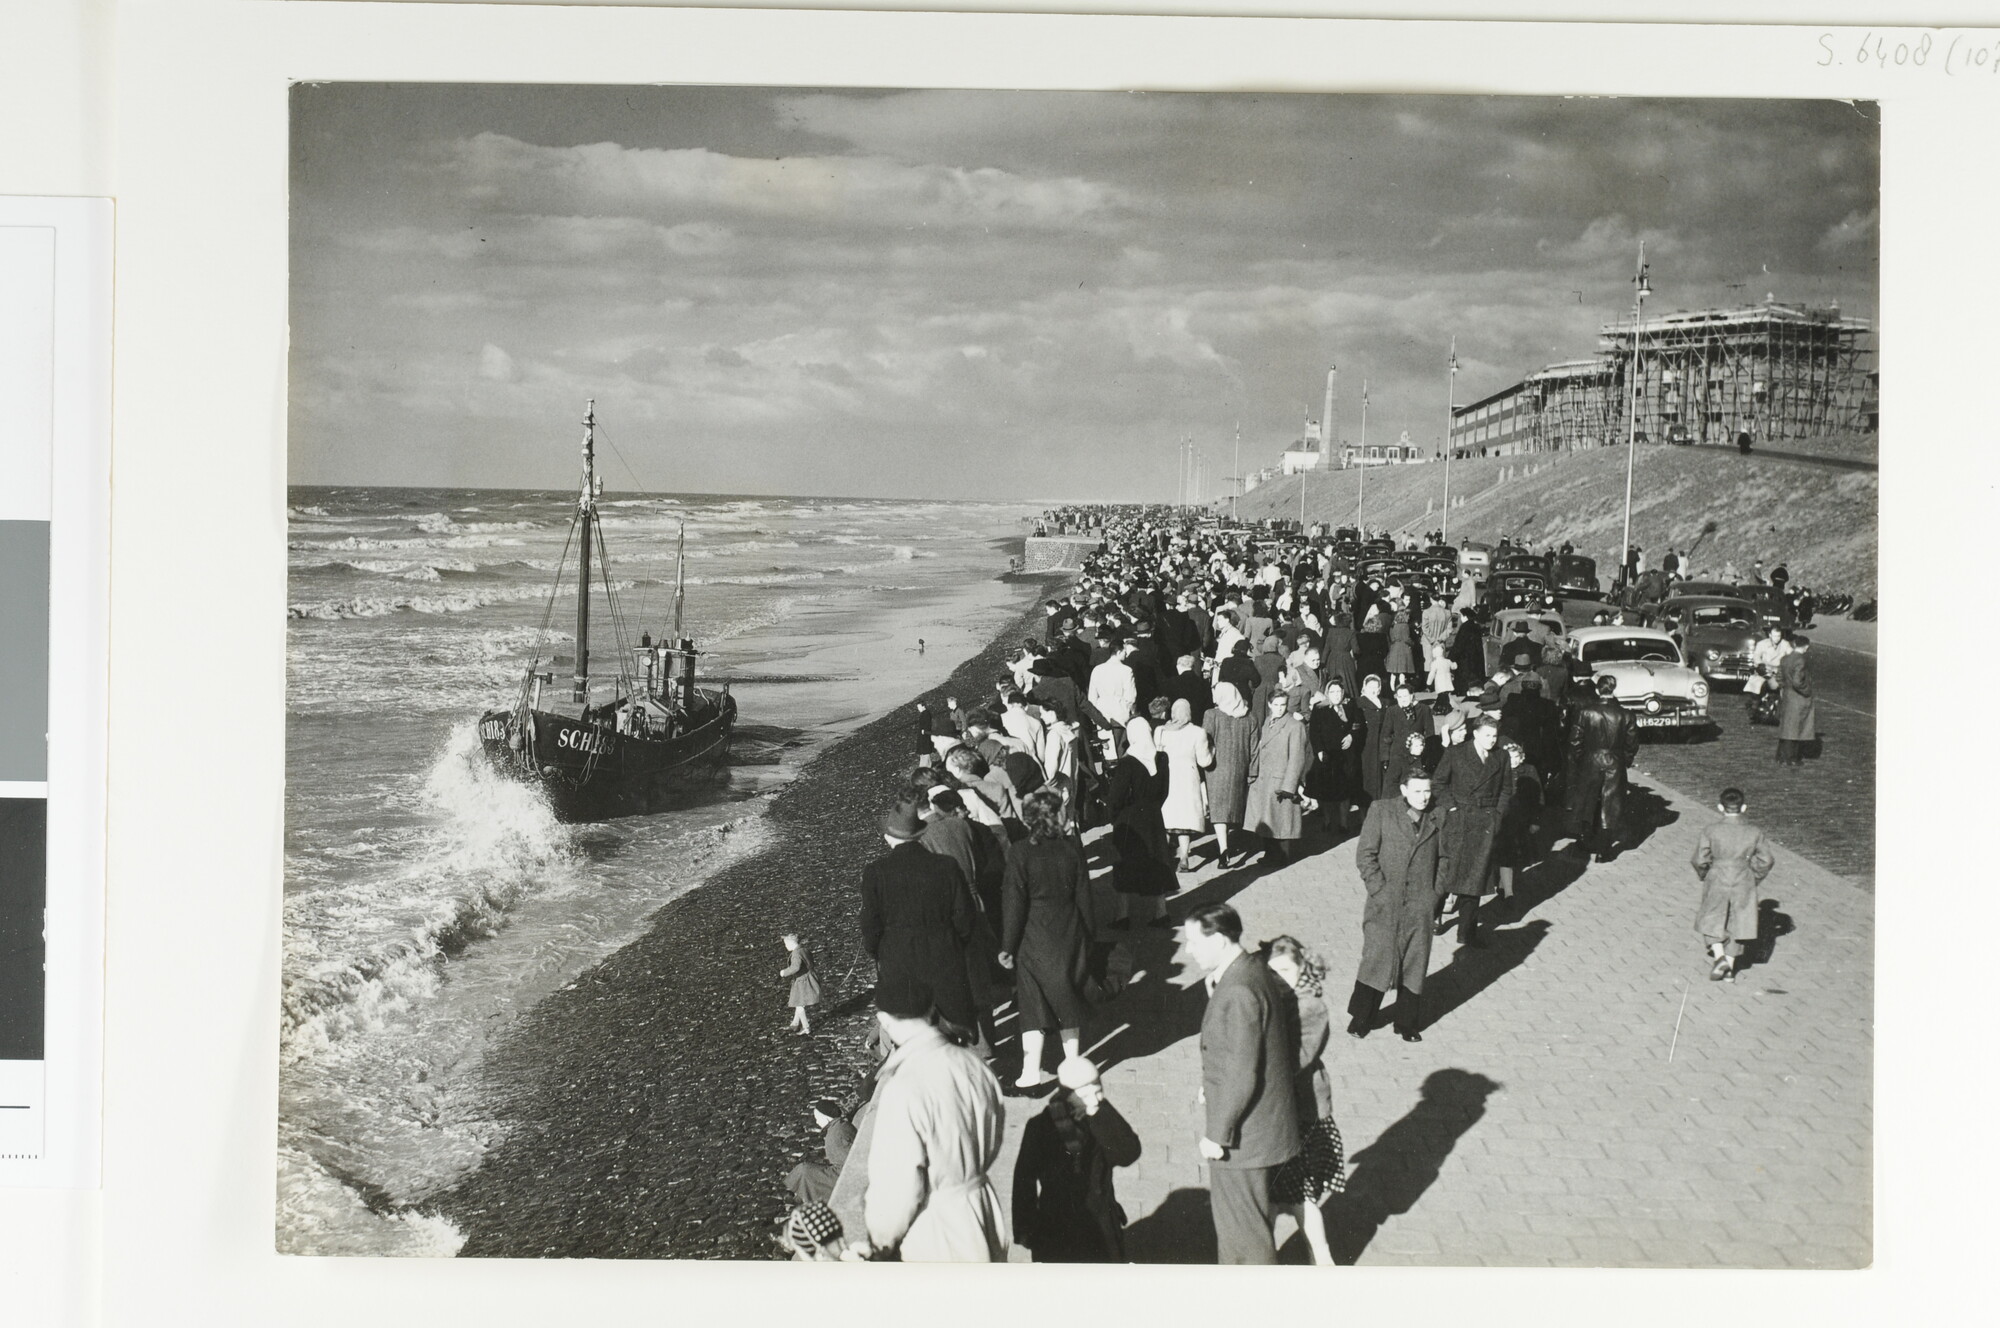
[[1114, 690], [1188, 752], [1731, 859], [1278, 765], [938, 1125]]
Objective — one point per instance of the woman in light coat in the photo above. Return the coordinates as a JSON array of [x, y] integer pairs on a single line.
[[1277, 775], [1188, 753]]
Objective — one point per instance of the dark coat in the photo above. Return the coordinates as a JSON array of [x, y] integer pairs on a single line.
[[1401, 865], [1798, 712], [1519, 839], [917, 915], [1065, 1209], [1371, 746], [1314, 1090], [1602, 741], [1337, 656], [1468, 657], [1530, 719], [1249, 1066], [1398, 724], [1048, 927], [1133, 796], [1196, 690], [1478, 793], [1336, 771]]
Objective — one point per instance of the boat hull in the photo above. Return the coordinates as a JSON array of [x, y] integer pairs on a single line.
[[591, 772]]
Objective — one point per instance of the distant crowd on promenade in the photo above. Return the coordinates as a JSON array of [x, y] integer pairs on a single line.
[[1199, 693]]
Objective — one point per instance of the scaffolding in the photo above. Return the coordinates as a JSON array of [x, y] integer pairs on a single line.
[[1775, 372], [1578, 405]]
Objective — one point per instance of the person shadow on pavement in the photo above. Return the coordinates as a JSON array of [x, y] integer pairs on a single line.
[[1180, 1230], [1472, 971], [1387, 1178], [1164, 1002], [1771, 924]]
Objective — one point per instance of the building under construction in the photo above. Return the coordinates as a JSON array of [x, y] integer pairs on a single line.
[[1771, 372]]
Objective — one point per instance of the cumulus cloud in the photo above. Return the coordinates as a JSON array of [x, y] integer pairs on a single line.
[[1850, 231], [497, 364], [507, 173]]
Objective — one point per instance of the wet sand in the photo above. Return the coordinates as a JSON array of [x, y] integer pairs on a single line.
[[656, 1103]]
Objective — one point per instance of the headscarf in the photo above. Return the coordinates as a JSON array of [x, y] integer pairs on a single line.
[[1139, 740], [1229, 700], [1183, 714]]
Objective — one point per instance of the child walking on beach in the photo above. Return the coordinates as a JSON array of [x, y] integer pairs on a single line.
[[805, 986], [1731, 859]]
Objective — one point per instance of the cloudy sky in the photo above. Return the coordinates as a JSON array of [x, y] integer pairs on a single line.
[[995, 294]]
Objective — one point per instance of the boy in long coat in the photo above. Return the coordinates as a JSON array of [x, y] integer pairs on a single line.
[[1732, 860], [1278, 766], [1475, 781], [1798, 712], [1402, 855]]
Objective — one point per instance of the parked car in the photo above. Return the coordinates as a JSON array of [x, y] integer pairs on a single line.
[[1655, 681], [1774, 608], [1724, 588], [1543, 627], [1715, 633], [1474, 560], [1520, 560], [1515, 590], [1574, 576]]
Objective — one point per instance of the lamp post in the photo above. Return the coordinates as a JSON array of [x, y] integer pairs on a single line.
[[1361, 461], [1238, 471], [1450, 410], [1641, 288]]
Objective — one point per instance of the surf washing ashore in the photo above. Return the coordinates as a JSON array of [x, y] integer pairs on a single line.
[[434, 908]]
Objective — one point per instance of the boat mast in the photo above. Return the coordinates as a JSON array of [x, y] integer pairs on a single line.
[[680, 580], [586, 512]]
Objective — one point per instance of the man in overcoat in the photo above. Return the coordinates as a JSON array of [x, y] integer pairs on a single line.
[[1474, 781], [917, 917], [1402, 856], [1249, 1062], [1602, 741], [1278, 765], [1798, 712]]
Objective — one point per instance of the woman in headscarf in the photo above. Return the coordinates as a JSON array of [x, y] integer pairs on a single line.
[[1337, 655], [1337, 734], [1468, 654], [1318, 1173], [1188, 753], [1134, 791], [1232, 734], [1046, 931], [1369, 707], [1371, 643], [1277, 774]]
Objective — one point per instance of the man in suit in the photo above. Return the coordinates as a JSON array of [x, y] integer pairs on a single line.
[[1249, 1062], [917, 917], [1403, 858]]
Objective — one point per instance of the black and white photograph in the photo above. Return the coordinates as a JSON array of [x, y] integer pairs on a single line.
[[953, 675]]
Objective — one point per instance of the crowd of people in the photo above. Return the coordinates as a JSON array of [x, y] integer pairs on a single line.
[[1197, 691]]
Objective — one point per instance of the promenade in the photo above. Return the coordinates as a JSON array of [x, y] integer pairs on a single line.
[[1583, 1095]]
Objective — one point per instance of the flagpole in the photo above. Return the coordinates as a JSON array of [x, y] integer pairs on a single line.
[[1450, 410]]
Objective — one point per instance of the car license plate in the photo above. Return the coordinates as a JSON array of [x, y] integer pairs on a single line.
[[1661, 721]]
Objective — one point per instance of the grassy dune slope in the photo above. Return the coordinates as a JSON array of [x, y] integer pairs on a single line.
[[1820, 522]]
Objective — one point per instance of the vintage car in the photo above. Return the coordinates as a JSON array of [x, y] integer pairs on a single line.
[[1515, 590], [1574, 576], [1543, 627], [1520, 560], [1474, 559], [1655, 681], [1445, 551], [1774, 609], [1381, 565], [1714, 631], [1726, 589]]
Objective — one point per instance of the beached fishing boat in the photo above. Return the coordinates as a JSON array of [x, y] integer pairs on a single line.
[[640, 739]]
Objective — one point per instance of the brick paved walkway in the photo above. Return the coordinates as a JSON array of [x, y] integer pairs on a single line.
[[1550, 1117]]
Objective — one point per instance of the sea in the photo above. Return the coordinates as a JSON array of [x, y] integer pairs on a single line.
[[429, 902]]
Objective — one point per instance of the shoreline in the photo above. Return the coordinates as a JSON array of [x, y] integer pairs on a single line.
[[656, 1101]]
